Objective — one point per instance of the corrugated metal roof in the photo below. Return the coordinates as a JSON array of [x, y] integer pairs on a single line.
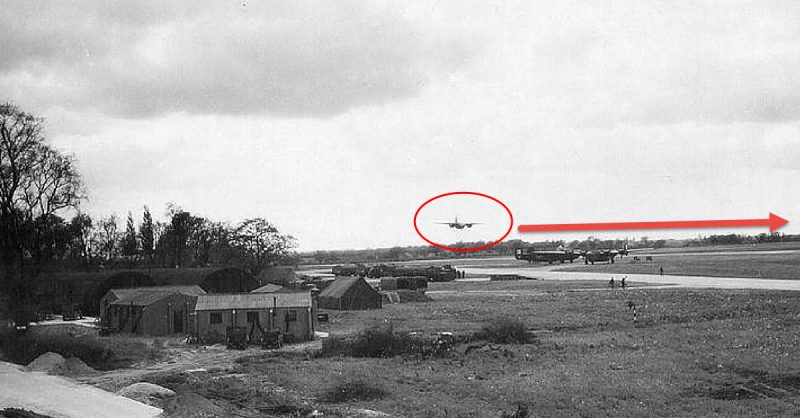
[[141, 299], [191, 290], [221, 302], [143, 296]]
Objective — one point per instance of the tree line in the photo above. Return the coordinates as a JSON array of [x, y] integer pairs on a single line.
[[185, 240]]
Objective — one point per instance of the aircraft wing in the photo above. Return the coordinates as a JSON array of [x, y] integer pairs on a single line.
[[443, 223]]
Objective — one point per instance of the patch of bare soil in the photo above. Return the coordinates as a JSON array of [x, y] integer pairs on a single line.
[[192, 405], [176, 360], [749, 384]]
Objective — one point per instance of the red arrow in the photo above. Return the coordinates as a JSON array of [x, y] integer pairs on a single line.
[[773, 222]]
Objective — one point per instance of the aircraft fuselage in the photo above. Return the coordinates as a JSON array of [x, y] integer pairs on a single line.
[[548, 256]]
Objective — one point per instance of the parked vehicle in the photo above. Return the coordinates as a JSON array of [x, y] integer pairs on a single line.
[[236, 337]]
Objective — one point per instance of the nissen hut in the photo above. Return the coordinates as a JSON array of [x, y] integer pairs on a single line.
[[158, 310], [288, 312]]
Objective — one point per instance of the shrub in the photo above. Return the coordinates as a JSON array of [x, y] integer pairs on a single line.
[[505, 331], [380, 342], [376, 341], [383, 341], [335, 346], [353, 388]]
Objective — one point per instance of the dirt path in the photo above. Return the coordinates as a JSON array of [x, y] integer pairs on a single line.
[[187, 358], [178, 359]]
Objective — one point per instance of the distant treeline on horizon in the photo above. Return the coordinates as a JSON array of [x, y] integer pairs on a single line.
[[506, 248]]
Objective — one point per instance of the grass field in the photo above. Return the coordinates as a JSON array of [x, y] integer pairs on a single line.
[[691, 353], [746, 264]]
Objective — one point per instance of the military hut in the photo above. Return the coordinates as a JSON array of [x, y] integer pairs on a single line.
[[349, 293], [158, 310], [291, 313]]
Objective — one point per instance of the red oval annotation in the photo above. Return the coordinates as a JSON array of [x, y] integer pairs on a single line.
[[465, 249]]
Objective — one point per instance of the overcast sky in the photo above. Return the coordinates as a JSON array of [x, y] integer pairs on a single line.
[[336, 120]]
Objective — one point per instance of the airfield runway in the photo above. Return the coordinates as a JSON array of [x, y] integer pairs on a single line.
[[546, 273]]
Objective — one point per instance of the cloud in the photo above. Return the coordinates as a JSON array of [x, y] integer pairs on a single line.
[[593, 64], [292, 59]]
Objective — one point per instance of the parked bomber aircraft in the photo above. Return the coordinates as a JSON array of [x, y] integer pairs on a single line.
[[593, 256], [550, 256], [458, 225]]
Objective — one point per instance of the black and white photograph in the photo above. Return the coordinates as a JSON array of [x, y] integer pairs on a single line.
[[390, 209]]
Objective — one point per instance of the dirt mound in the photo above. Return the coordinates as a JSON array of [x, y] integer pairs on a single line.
[[147, 393], [50, 363], [192, 405], [76, 366], [56, 364]]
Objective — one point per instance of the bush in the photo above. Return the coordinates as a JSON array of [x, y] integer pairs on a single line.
[[383, 341], [505, 331], [335, 346], [353, 388], [380, 342], [376, 341]]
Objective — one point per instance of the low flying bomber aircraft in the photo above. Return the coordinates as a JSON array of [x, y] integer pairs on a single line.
[[550, 256], [458, 225]]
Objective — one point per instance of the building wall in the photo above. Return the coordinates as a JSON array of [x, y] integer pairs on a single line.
[[105, 301], [301, 329], [166, 316]]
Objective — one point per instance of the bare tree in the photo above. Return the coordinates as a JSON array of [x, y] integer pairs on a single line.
[[261, 243], [36, 181], [81, 226], [108, 236]]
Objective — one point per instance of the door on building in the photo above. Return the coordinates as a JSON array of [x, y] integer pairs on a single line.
[[177, 322]]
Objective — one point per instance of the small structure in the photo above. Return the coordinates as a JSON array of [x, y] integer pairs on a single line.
[[349, 293], [269, 288], [158, 310], [291, 313]]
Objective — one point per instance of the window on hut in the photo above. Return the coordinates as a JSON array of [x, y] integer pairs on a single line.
[[215, 318]]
